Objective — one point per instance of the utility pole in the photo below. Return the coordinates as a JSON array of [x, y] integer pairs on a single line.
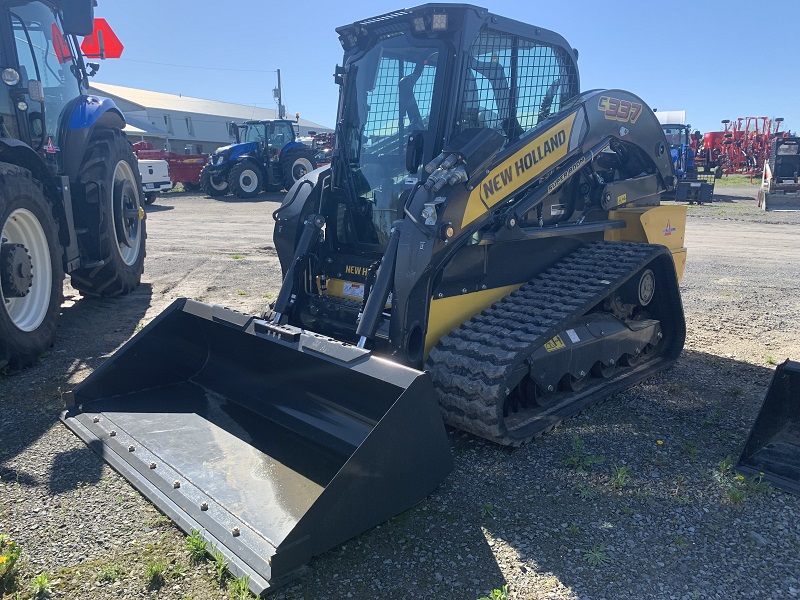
[[280, 97]]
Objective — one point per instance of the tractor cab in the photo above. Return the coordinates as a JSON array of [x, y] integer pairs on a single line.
[[43, 73]]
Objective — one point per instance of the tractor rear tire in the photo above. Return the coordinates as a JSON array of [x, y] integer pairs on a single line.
[[213, 183], [31, 269], [150, 197], [245, 180], [295, 164], [112, 191]]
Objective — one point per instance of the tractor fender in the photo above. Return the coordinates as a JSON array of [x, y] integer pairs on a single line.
[[19, 153], [292, 145], [299, 202], [80, 120]]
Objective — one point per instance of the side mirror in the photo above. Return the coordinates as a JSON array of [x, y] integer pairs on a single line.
[[78, 17], [233, 131]]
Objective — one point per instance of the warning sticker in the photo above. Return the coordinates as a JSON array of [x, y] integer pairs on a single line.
[[668, 230], [573, 336], [555, 344], [354, 290]]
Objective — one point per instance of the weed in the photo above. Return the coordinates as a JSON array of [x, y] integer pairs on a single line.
[[487, 510], [139, 327], [596, 556], [585, 492], [620, 476], [770, 360], [241, 292], [154, 574], [735, 495], [220, 565], [237, 256], [239, 587], [573, 529], [680, 541], [41, 586], [501, 594], [725, 464], [268, 296], [628, 511], [9, 555], [690, 448], [179, 570], [580, 460], [756, 483], [726, 294], [196, 546], [110, 572], [735, 391]]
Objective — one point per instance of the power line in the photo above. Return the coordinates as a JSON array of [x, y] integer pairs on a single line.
[[149, 62]]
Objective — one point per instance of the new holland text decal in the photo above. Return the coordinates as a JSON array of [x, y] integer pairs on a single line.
[[615, 109], [535, 158]]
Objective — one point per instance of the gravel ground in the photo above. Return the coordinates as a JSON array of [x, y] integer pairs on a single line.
[[657, 518]]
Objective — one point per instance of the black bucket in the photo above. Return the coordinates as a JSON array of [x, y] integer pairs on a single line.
[[773, 448], [275, 443]]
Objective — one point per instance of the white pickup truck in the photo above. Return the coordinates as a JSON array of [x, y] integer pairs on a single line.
[[155, 178]]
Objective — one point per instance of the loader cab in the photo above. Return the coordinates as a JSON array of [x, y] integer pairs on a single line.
[[42, 71], [413, 80]]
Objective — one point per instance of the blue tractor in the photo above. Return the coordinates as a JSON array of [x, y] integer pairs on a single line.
[[692, 186], [266, 156], [70, 189]]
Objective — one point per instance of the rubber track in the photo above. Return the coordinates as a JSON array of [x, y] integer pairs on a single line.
[[471, 365]]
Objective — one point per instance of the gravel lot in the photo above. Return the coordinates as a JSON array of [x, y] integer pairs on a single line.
[[658, 518]]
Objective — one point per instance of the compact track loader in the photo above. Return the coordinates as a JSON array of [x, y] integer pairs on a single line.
[[487, 244]]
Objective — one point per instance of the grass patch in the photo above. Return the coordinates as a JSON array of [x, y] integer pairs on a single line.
[[241, 292], [110, 572], [620, 476], [237, 256], [487, 510], [579, 459], [770, 360], [154, 573], [737, 181], [220, 565], [497, 594], [41, 587], [596, 556], [196, 546], [239, 588]]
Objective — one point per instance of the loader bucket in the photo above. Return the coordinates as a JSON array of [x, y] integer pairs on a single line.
[[275, 443], [773, 448]]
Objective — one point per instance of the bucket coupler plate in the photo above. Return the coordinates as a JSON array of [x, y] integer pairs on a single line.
[[773, 447], [274, 443]]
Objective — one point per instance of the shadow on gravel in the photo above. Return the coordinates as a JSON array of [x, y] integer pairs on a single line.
[[154, 208], [265, 197], [30, 401]]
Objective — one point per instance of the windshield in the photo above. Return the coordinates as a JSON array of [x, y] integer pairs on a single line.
[[391, 92], [254, 132], [47, 56], [676, 136]]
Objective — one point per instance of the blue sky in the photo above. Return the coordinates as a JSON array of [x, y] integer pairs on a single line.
[[708, 57]]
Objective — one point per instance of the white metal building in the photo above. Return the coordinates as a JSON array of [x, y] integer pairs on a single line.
[[184, 124]]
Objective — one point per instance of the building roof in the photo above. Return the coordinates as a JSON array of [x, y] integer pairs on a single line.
[[139, 127], [177, 102]]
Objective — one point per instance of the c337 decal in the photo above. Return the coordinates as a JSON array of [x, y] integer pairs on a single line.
[[615, 109], [536, 157]]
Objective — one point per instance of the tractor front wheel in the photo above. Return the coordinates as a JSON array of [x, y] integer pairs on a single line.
[[245, 180], [295, 164], [213, 182], [31, 272], [112, 192]]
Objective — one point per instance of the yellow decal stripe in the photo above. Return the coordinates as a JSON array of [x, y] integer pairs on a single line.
[[539, 155]]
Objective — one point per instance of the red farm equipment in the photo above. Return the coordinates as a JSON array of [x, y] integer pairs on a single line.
[[742, 147], [183, 168]]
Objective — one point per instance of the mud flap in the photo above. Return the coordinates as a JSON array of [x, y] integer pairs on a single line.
[[773, 448], [275, 443]]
